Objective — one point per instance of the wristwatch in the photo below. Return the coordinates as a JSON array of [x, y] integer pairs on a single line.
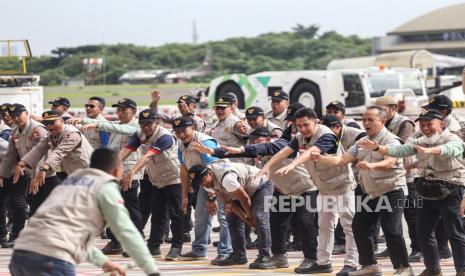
[[42, 169], [211, 198]]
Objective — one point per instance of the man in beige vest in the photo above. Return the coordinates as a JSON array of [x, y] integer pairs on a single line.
[[62, 232], [161, 162], [94, 108], [64, 147], [335, 185], [278, 113], [120, 132], [24, 137], [247, 197], [384, 189], [440, 186]]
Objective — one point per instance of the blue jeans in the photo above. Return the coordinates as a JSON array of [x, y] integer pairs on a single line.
[[203, 225], [25, 263]]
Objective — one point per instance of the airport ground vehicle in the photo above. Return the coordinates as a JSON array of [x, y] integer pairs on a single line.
[[357, 88], [16, 84]]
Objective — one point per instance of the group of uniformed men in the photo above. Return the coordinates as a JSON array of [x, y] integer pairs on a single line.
[[243, 170]]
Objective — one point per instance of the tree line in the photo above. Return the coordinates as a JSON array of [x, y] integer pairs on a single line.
[[303, 48]]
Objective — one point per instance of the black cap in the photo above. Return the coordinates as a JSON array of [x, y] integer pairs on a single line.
[[260, 132], [147, 115], [429, 114], [51, 115], [279, 95], [338, 105], [98, 99], [439, 102], [291, 109], [330, 121], [182, 122], [61, 101], [254, 112], [16, 109], [196, 174], [125, 103], [4, 107], [224, 101], [187, 98]]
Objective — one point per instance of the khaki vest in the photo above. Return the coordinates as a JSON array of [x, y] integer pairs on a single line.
[[295, 182], [93, 136], [379, 182], [271, 126], [66, 225], [279, 120], [437, 167], [23, 140], [163, 169], [245, 174], [347, 121], [118, 142], [396, 122], [348, 136], [79, 158], [224, 133], [190, 156], [329, 179]]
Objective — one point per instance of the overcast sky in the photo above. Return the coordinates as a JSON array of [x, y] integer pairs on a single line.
[[49, 24]]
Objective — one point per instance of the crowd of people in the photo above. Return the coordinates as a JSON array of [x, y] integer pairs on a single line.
[[324, 181]]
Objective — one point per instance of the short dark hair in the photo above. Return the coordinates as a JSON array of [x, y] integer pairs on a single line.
[[305, 112], [98, 99], [104, 159]]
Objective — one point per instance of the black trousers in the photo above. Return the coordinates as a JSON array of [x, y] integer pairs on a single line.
[[36, 200], [131, 202], [17, 194], [145, 199], [280, 223], [167, 200], [428, 217], [390, 217], [411, 202]]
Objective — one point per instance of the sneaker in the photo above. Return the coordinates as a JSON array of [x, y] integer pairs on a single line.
[[251, 245], [381, 239], [215, 243], [304, 266], [112, 248], [262, 262], [125, 254], [216, 229], [173, 254], [339, 249], [154, 250], [430, 273], [346, 270], [232, 260], [218, 258], [103, 235], [368, 270], [404, 271], [191, 256], [186, 237], [382, 255], [280, 261], [415, 257], [316, 268]]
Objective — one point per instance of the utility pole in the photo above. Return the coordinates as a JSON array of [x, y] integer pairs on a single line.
[[194, 33]]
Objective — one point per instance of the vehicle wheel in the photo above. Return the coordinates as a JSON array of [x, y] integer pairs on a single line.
[[307, 94], [232, 87]]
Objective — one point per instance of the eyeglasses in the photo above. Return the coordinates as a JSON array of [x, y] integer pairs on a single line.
[[89, 106], [220, 107]]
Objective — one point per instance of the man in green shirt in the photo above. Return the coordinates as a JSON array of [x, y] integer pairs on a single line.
[[62, 231]]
